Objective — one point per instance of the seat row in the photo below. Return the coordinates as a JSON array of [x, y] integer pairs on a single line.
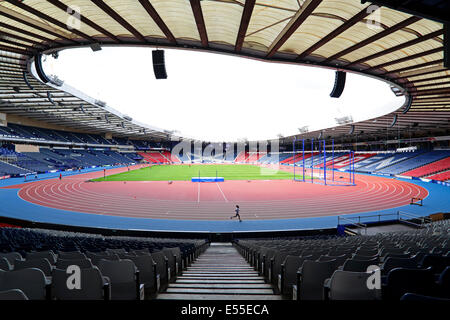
[[112, 274], [299, 267]]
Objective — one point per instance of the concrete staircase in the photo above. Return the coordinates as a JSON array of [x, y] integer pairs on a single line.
[[220, 273]]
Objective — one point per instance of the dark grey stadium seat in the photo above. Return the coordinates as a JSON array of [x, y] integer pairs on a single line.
[[49, 255], [11, 256], [141, 252], [42, 264], [290, 267], [172, 261], [312, 277], [363, 257], [340, 260], [113, 251], [13, 294], [402, 280], [71, 255], [93, 286], [393, 262], [147, 272], [161, 267], [65, 263], [124, 279], [444, 282], [346, 285], [358, 265], [95, 258], [5, 265], [31, 281]]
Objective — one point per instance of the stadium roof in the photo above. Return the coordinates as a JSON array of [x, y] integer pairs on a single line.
[[391, 45]]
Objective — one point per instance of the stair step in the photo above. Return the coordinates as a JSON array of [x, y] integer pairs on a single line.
[[219, 274], [201, 273], [219, 281], [222, 285], [180, 296], [220, 291], [220, 267], [220, 278]]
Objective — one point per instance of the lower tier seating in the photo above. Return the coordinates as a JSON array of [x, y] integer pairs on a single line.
[[338, 268], [35, 264]]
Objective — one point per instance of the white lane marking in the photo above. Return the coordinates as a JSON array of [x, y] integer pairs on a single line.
[[198, 192], [223, 195]]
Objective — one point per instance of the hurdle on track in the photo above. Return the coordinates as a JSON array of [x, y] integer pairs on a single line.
[[417, 201], [317, 164]]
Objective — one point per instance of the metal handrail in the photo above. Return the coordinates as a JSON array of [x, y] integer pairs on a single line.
[[413, 216], [398, 214], [357, 224]]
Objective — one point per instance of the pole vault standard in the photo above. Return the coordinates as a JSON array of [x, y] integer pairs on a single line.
[[322, 147], [312, 160], [303, 155], [293, 148], [295, 158], [332, 158], [324, 164]]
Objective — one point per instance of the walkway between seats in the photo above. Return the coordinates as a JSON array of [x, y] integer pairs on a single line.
[[220, 273]]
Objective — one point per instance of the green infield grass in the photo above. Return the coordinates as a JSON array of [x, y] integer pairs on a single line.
[[186, 172]]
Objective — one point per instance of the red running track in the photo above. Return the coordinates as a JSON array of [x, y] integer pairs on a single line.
[[184, 200]]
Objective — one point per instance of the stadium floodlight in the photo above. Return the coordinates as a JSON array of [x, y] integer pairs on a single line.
[[55, 80], [344, 120], [398, 91], [100, 103], [303, 129]]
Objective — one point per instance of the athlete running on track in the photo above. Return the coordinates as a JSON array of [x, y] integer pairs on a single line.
[[237, 214]]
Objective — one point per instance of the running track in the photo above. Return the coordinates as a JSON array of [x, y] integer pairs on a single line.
[[183, 200]]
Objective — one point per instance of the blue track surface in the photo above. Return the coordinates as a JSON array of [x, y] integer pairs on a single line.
[[14, 207]]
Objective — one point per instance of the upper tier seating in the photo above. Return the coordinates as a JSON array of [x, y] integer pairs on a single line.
[[16, 131], [59, 159], [389, 161]]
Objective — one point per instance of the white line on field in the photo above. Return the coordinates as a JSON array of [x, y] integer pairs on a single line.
[[220, 189]]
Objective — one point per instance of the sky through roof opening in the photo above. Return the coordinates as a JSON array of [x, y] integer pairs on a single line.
[[215, 97]]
